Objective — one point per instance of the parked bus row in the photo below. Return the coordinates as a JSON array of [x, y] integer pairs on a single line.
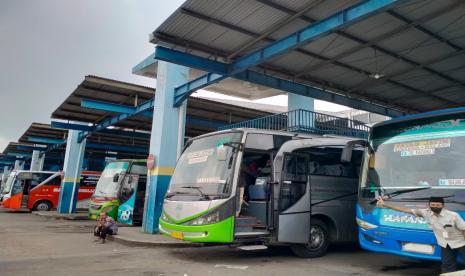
[[261, 188], [257, 188]]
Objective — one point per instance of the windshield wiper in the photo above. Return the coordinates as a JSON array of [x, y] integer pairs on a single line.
[[396, 193], [202, 194], [170, 195]]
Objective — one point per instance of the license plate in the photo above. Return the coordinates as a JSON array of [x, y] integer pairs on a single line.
[[418, 248], [177, 235]]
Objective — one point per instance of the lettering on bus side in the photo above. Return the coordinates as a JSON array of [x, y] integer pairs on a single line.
[[403, 219]]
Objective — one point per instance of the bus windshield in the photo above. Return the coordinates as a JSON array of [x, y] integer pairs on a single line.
[[9, 183], [200, 174], [435, 164], [105, 185]]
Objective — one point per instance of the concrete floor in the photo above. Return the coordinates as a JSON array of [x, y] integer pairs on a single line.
[[33, 245]]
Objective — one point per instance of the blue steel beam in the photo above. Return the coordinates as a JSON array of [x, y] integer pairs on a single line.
[[133, 110], [31, 148], [118, 148], [118, 108], [181, 93], [269, 81], [145, 63], [131, 134], [147, 106], [45, 140], [19, 154], [62, 125]]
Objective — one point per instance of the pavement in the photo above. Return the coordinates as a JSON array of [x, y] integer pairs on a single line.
[[81, 215], [133, 236], [37, 245]]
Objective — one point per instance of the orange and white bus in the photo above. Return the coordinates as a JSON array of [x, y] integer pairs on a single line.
[[40, 190]]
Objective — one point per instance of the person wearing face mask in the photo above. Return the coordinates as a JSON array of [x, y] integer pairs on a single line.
[[448, 227]]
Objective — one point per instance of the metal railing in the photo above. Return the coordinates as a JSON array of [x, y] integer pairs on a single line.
[[307, 122]]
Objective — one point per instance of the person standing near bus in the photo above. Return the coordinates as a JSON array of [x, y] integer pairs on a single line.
[[106, 226], [448, 227]]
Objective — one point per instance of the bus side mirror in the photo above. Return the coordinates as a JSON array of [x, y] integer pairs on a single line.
[[222, 153], [116, 178], [346, 155]]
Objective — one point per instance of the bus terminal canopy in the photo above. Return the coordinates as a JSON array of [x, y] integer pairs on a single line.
[[110, 106], [54, 141], [385, 56]]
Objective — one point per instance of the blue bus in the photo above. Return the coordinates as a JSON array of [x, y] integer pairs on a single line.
[[408, 160]]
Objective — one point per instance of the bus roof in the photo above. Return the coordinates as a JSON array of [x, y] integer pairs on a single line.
[[430, 114], [274, 132], [20, 171]]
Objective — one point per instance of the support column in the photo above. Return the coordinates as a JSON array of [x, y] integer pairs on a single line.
[[6, 173], [74, 157], [35, 160], [19, 165], [167, 125], [298, 118]]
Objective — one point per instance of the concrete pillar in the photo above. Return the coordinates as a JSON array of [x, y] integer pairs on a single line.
[[300, 119], [167, 128], [35, 160], [6, 173], [19, 165], [74, 157]]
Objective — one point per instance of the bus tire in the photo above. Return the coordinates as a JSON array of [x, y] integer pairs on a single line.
[[42, 205], [319, 241]]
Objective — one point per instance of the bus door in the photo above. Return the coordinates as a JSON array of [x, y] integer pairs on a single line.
[[128, 198], [140, 200], [16, 198], [294, 200], [29, 182]]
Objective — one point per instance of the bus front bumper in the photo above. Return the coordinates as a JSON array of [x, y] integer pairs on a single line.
[[412, 243], [221, 232]]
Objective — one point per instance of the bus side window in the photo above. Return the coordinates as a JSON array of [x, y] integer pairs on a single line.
[[327, 162], [56, 181]]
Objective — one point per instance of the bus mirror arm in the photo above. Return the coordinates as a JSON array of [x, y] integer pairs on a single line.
[[346, 155]]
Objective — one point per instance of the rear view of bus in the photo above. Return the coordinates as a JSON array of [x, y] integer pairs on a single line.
[[411, 159]]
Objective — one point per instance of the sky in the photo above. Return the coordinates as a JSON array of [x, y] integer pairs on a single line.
[[47, 47]]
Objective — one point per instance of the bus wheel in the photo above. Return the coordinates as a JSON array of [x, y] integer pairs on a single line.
[[42, 206], [319, 241]]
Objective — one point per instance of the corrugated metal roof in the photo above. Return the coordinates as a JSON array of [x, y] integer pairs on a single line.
[[106, 90], [418, 47]]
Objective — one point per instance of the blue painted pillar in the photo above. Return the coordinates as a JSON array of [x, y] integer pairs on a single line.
[[300, 118], [36, 161], [19, 165], [166, 129], [74, 157]]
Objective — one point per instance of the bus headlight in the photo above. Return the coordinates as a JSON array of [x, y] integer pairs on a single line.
[[209, 218], [365, 225], [164, 217]]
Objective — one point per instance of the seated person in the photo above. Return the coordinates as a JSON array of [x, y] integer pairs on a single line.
[[106, 226]]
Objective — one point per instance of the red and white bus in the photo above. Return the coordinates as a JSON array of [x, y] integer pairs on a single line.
[[40, 190]]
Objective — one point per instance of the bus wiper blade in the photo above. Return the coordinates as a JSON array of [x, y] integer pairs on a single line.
[[396, 193], [170, 195], [202, 194]]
